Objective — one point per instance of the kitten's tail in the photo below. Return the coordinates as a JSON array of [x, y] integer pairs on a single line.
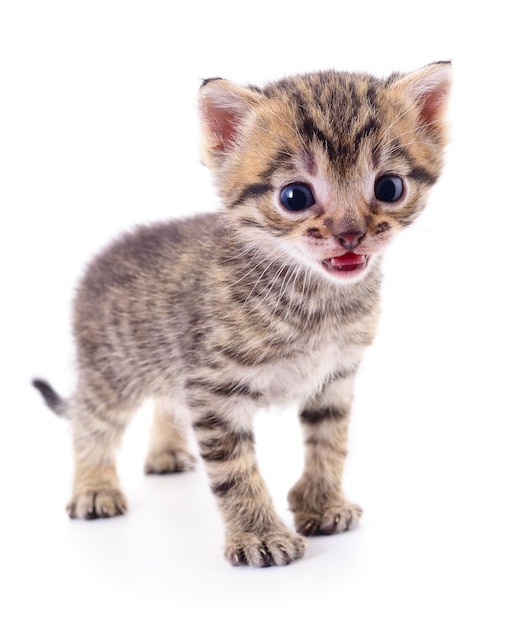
[[55, 402]]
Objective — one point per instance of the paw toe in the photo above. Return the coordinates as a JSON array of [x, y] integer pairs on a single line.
[[169, 462], [94, 504], [266, 549], [333, 520]]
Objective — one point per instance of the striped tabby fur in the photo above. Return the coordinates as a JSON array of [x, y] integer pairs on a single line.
[[221, 314]]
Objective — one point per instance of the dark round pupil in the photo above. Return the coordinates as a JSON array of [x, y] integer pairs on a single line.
[[296, 197], [389, 188]]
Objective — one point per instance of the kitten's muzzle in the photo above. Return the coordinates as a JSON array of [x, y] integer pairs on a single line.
[[351, 239]]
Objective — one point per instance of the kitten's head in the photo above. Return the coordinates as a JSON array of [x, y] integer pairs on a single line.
[[325, 168]]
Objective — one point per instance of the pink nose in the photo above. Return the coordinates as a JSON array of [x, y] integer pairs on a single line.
[[350, 239]]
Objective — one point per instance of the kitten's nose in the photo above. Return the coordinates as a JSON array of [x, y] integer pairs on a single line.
[[351, 239]]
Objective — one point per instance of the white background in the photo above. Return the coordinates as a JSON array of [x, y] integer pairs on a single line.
[[98, 132]]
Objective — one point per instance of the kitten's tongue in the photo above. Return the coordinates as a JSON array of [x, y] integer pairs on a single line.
[[348, 261]]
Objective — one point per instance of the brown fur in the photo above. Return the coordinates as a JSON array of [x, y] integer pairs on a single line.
[[218, 315]]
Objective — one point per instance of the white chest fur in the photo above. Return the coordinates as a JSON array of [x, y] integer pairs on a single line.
[[299, 377]]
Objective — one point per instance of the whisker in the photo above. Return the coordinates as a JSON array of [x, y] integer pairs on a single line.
[[438, 233], [257, 282], [284, 283], [408, 132], [242, 253]]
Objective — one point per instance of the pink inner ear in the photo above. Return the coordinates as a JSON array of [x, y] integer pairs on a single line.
[[433, 103], [429, 88], [223, 125]]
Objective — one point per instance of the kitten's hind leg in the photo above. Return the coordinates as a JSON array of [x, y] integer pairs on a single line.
[[317, 499], [168, 449], [97, 431]]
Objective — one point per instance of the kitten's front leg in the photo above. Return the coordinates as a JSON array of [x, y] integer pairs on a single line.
[[317, 499], [254, 534]]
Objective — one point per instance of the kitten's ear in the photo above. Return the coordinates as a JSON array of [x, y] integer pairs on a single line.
[[224, 108], [429, 87]]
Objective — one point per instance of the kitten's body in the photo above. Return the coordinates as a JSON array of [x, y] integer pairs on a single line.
[[218, 315]]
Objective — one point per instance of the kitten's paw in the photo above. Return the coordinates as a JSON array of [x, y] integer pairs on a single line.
[[333, 519], [95, 503], [279, 547], [169, 462]]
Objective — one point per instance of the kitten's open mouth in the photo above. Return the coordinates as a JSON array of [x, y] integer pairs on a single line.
[[346, 265]]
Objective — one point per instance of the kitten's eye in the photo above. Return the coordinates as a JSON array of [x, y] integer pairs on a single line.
[[388, 188], [297, 197]]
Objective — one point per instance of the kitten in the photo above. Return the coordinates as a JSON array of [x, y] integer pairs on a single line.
[[272, 300]]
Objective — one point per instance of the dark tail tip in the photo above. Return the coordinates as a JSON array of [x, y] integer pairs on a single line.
[[52, 399]]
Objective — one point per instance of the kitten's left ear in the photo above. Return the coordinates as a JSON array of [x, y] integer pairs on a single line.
[[224, 110], [429, 88]]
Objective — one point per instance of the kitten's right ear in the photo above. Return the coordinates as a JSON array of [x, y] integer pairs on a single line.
[[224, 109]]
